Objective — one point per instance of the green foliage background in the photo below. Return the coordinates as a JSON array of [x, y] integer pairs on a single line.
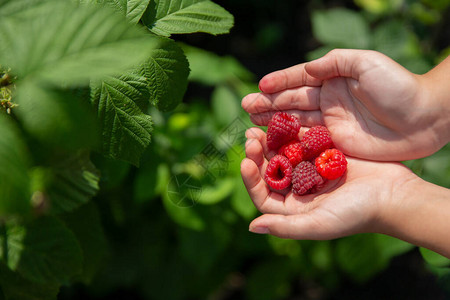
[[127, 134]]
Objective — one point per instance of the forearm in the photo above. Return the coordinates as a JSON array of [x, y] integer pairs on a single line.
[[419, 213]]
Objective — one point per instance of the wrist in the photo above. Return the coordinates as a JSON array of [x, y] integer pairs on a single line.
[[435, 99], [418, 213]]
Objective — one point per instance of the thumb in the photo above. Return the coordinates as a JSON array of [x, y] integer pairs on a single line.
[[337, 63], [298, 227]]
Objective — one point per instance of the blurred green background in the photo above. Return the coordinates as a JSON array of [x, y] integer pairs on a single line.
[[177, 227]]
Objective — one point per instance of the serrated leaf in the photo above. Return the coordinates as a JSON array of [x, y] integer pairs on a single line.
[[74, 182], [85, 223], [166, 17], [43, 251], [125, 129], [14, 180], [71, 43], [132, 10], [166, 71], [15, 287], [55, 116], [341, 28]]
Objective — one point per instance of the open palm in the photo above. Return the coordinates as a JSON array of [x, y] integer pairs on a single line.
[[372, 106], [344, 206]]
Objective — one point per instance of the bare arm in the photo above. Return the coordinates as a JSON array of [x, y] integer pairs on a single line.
[[419, 213]]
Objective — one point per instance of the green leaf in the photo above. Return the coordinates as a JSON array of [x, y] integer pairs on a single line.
[[213, 194], [166, 17], [43, 251], [179, 198], [14, 180], [396, 41], [434, 259], [124, 127], [166, 71], [341, 28], [211, 69], [225, 104], [360, 256], [55, 116], [85, 223], [132, 10], [15, 287], [71, 44], [241, 201], [75, 182]]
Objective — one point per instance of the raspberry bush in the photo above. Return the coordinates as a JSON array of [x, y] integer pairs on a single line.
[[78, 79]]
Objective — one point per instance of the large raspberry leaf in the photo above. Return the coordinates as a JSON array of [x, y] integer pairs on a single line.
[[70, 46], [167, 17], [132, 10], [166, 72], [125, 129]]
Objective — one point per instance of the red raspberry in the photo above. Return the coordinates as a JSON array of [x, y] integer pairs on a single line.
[[331, 164], [278, 172], [315, 141], [306, 178], [293, 151], [282, 129]]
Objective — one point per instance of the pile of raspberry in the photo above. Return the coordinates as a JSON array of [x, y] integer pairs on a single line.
[[306, 163]]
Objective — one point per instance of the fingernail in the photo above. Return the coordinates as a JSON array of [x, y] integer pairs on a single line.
[[259, 229]]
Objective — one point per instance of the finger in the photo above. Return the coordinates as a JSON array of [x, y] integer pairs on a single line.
[[254, 151], [302, 98], [339, 63], [299, 227], [254, 183], [306, 118], [260, 136], [291, 77]]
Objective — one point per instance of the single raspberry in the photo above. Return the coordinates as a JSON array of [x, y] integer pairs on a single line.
[[293, 151], [282, 129], [315, 141], [306, 178], [278, 172], [331, 164]]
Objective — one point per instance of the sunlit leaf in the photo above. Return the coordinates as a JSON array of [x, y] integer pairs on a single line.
[[71, 44], [166, 17], [341, 28]]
